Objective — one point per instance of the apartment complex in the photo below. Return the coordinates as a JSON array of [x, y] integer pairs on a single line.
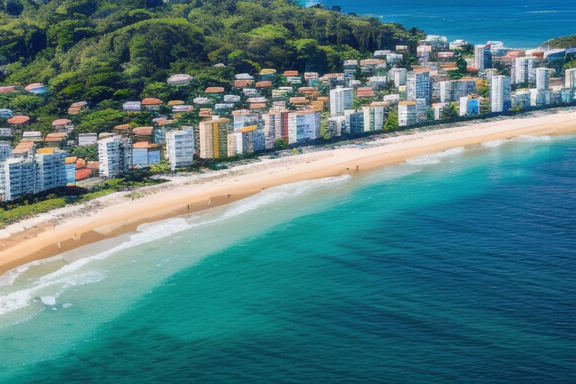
[[340, 100], [115, 156], [500, 94], [180, 148], [20, 176], [418, 85], [406, 113], [214, 138]]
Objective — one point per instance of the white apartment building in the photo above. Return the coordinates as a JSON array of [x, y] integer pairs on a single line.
[[542, 79], [336, 126], [482, 57], [418, 85], [374, 117], [180, 148], [406, 113], [500, 94], [271, 129], [50, 170], [5, 150], [398, 76], [17, 178], [340, 100], [570, 78], [524, 70], [303, 125], [115, 155]]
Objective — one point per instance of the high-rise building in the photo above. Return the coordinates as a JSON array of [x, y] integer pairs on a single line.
[[500, 90], [5, 150], [281, 122], [482, 57], [406, 113], [421, 106], [51, 170], [570, 78], [180, 148], [115, 156], [418, 85], [271, 129], [17, 178], [336, 126], [542, 82], [214, 138], [398, 76], [524, 71], [354, 121], [340, 100], [303, 125], [246, 140], [374, 117]]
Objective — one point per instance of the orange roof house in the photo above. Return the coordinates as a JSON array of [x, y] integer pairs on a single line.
[[122, 127], [143, 131], [17, 120], [7, 88], [214, 90], [58, 122], [241, 83], [151, 101], [263, 84], [258, 106]]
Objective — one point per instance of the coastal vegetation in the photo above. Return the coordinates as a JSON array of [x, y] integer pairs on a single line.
[[28, 206], [563, 42], [108, 52]]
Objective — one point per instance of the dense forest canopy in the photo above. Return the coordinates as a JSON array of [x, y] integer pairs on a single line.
[[110, 51]]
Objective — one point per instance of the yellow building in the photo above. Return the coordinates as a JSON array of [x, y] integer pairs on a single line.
[[214, 138]]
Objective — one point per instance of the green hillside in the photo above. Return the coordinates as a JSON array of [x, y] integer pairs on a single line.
[[563, 42], [110, 51]]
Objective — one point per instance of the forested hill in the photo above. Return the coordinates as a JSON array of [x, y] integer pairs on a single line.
[[108, 51]]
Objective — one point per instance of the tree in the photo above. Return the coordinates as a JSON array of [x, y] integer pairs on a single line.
[[87, 152], [450, 112], [280, 144], [391, 123]]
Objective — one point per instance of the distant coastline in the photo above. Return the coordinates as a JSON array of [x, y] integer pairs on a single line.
[[49, 234], [520, 24]]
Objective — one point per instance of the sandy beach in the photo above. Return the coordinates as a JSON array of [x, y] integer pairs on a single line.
[[70, 227]]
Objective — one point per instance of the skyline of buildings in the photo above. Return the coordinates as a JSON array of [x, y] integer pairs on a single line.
[[296, 112]]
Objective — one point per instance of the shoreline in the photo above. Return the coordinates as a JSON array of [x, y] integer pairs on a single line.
[[67, 228]]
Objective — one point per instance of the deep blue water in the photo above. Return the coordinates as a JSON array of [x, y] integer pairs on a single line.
[[518, 23], [455, 267]]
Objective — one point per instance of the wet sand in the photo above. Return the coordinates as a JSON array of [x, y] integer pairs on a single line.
[[52, 233]]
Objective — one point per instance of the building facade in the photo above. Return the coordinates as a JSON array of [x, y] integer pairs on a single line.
[[418, 85], [524, 71], [115, 156], [406, 113], [340, 100], [500, 94], [180, 148], [542, 79], [214, 138], [482, 57]]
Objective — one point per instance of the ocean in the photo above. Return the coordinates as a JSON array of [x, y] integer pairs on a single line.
[[518, 23], [453, 267]]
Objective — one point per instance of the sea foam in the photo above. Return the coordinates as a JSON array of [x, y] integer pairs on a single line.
[[494, 143], [48, 288], [434, 158]]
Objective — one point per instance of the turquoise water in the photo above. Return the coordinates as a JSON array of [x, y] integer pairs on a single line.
[[518, 23], [454, 267]]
